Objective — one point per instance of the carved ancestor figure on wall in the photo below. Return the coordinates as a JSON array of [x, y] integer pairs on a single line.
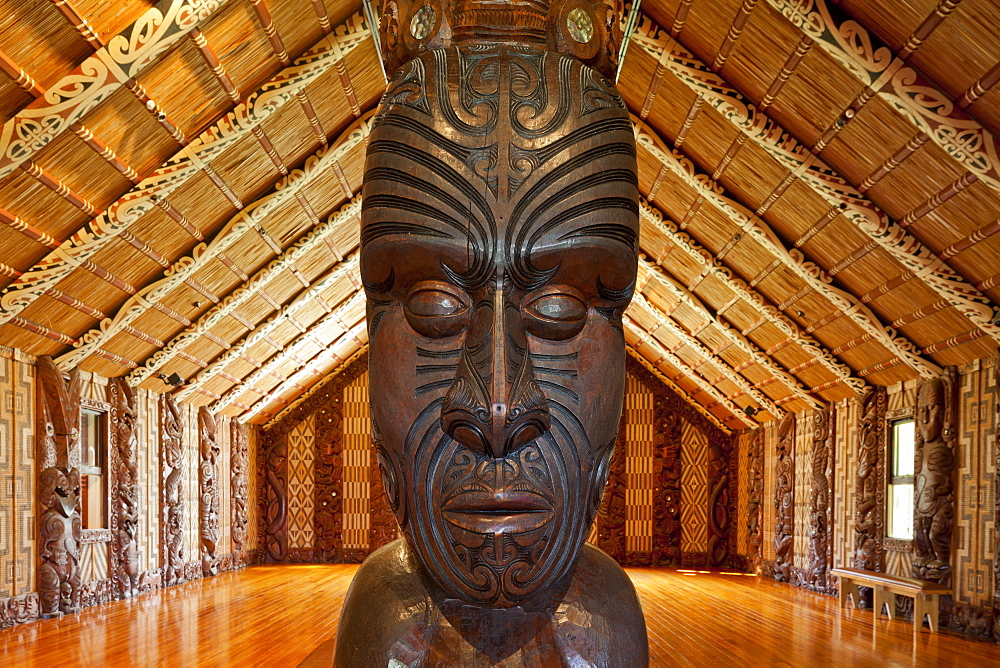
[[238, 471], [171, 493], [124, 489], [208, 491], [934, 466], [499, 238], [784, 500], [57, 452]]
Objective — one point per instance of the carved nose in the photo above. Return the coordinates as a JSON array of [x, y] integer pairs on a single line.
[[495, 406]]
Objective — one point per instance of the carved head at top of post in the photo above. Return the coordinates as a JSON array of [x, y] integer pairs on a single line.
[[499, 236], [930, 409], [589, 32]]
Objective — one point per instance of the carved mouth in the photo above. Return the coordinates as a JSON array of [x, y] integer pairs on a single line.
[[498, 512]]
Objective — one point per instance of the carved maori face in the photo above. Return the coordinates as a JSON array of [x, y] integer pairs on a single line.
[[930, 409], [499, 234], [59, 489]]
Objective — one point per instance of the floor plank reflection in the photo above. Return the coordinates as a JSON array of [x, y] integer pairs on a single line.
[[280, 615]]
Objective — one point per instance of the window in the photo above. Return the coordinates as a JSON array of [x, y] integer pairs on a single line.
[[900, 497], [93, 467]]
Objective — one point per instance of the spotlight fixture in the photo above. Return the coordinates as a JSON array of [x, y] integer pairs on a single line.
[[172, 379], [750, 411]]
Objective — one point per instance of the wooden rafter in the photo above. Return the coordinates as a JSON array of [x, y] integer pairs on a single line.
[[742, 290], [757, 356], [349, 343], [20, 77], [179, 169], [672, 383], [214, 64], [902, 86], [104, 151], [248, 220], [78, 22], [354, 326], [917, 260], [812, 276], [43, 120], [263, 331], [267, 23], [640, 304], [641, 340]]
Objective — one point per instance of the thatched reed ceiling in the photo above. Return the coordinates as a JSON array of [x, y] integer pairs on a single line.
[[179, 193]]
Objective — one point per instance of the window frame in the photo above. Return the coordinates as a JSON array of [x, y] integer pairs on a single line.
[[103, 457], [892, 420]]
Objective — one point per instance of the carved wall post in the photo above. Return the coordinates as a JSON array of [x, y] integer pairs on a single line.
[[124, 511], [718, 503], [208, 492], [784, 500], [869, 515], [996, 500], [171, 494], [276, 495], [611, 515], [329, 479], [57, 443], [755, 496], [821, 501], [239, 458], [667, 493]]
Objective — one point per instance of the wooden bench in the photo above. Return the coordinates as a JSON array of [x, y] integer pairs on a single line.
[[924, 594]]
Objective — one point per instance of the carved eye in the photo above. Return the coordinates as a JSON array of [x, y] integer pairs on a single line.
[[556, 316], [437, 309]]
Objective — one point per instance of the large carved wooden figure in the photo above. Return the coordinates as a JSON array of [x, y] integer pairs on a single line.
[[499, 238], [934, 502], [208, 492], [171, 493], [57, 437], [124, 514]]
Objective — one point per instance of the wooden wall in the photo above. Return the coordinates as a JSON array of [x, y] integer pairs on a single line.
[[975, 533], [18, 551], [327, 437]]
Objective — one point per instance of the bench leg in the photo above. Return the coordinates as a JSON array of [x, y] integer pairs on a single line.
[[887, 598], [925, 604], [845, 591]]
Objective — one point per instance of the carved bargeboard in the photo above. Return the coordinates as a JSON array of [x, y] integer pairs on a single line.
[[171, 492], [124, 511], [209, 530], [57, 452]]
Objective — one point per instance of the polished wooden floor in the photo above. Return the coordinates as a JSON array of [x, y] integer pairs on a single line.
[[284, 615]]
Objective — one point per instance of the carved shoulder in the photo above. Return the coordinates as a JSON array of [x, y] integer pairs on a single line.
[[385, 596]]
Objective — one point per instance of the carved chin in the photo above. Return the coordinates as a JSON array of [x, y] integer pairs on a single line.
[[495, 532]]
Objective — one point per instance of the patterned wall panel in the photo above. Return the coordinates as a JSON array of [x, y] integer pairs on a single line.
[[803, 483], [225, 482], [93, 562], [638, 466], [973, 537], [7, 495], [253, 490], [694, 491], [357, 460], [149, 478], [846, 458], [742, 450], [24, 483], [301, 453], [767, 499], [192, 540]]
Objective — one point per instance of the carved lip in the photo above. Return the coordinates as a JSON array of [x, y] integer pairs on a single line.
[[498, 512]]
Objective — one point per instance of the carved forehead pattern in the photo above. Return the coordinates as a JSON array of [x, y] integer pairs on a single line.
[[501, 149]]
